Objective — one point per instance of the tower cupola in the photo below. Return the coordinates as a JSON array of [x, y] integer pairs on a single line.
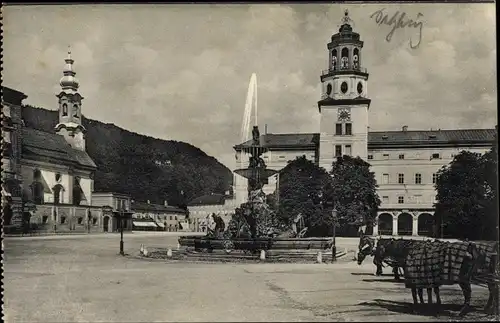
[[69, 82]]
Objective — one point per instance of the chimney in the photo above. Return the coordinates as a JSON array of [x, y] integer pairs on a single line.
[[405, 128], [165, 203], [265, 132]]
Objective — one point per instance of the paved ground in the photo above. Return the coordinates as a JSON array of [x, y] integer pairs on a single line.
[[81, 278]]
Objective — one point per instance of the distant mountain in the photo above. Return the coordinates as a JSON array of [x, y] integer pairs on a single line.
[[144, 167]]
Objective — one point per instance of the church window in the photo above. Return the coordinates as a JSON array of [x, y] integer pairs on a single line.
[[75, 110], [418, 178], [344, 61], [329, 89], [37, 187], [64, 109], [77, 191], [348, 129], [401, 178], [338, 129], [57, 193], [401, 199]]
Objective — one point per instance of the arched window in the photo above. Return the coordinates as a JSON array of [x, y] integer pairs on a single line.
[[75, 110], [334, 59], [355, 58], [77, 191], [37, 187], [64, 109], [344, 61], [58, 189]]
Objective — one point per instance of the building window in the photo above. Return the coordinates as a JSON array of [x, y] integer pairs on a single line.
[[401, 156], [80, 220], [64, 109], [385, 199], [170, 217], [436, 156], [385, 178], [370, 156], [418, 199], [348, 129], [386, 156], [434, 178], [418, 178], [401, 178], [338, 151], [348, 150], [94, 221], [45, 219], [338, 129], [63, 219], [401, 199]]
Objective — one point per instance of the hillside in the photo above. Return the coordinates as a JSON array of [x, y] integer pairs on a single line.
[[144, 167]]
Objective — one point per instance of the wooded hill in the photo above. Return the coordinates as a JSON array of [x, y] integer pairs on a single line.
[[144, 167]]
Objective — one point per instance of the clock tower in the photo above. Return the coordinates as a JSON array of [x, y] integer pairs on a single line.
[[344, 103]]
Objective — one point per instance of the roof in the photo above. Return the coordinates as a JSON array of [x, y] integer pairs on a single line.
[[431, 137], [386, 139], [51, 146], [12, 96], [209, 199], [283, 140], [141, 206]]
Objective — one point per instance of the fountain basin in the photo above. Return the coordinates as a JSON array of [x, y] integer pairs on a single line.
[[257, 244]]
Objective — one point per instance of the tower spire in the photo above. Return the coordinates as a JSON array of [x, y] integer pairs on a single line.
[[68, 82]]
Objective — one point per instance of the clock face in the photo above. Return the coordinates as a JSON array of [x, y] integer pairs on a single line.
[[343, 87], [344, 115], [360, 87]]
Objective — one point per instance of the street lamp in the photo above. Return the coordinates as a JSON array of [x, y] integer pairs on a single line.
[[334, 247], [121, 231]]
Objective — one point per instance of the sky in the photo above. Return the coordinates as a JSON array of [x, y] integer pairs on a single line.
[[181, 72]]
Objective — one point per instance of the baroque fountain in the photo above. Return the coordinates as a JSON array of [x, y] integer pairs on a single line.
[[254, 228]]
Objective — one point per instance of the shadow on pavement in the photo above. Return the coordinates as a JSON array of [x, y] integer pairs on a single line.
[[447, 310], [381, 280], [371, 274]]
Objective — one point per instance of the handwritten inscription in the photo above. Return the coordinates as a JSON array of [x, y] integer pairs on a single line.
[[398, 20]]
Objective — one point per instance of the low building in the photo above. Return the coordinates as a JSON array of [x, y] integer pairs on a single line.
[[116, 210], [157, 217]]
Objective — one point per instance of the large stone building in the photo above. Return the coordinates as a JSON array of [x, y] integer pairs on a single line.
[[405, 162]]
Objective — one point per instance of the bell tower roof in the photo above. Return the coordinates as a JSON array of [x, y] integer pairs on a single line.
[[346, 33], [68, 82]]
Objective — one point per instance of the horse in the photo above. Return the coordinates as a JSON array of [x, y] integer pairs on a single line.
[[367, 247], [394, 252], [437, 263]]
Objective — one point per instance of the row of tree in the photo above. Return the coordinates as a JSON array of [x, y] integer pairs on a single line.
[[350, 188]]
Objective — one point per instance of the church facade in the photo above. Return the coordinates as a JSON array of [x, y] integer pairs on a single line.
[[50, 173], [405, 162]]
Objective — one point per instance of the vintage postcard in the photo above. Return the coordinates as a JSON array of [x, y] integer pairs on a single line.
[[245, 162]]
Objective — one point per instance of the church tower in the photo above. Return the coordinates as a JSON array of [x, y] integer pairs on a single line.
[[344, 103], [70, 103]]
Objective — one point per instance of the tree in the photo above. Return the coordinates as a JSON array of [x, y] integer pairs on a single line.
[[353, 192], [465, 196], [301, 184]]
